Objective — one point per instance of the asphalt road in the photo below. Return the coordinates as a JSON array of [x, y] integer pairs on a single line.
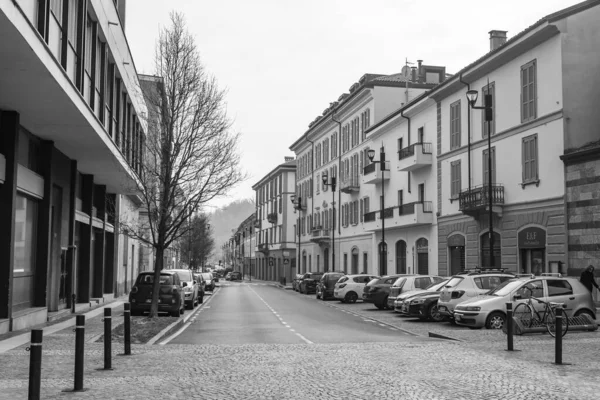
[[256, 313]]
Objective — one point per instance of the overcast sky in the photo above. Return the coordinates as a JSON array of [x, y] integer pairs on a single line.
[[283, 61]]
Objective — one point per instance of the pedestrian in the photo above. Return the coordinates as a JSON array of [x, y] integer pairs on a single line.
[[587, 278]]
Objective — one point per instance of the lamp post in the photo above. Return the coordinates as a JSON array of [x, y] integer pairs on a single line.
[[489, 116], [297, 202], [332, 182], [383, 245]]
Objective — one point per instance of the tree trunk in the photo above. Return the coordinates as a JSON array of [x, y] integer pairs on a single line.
[[158, 266]]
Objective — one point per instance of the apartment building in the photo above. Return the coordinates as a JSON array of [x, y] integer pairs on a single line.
[[275, 242], [544, 85], [247, 245], [336, 146], [71, 139]]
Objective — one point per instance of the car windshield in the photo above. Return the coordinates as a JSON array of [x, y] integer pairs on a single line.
[[148, 279], [505, 287], [343, 279], [399, 282], [454, 281], [435, 286], [207, 276], [374, 282], [184, 276]]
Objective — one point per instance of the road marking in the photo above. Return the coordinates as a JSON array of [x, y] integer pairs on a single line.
[[303, 338]]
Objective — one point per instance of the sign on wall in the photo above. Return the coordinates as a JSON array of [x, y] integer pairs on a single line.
[[532, 238]]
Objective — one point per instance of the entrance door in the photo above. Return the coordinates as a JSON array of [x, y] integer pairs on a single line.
[[423, 256], [354, 261], [326, 260], [401, 257], [457, 259], [533, 261], [58, 262]]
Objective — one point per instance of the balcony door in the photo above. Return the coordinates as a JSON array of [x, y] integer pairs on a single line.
[[401, 257], [421, 192]]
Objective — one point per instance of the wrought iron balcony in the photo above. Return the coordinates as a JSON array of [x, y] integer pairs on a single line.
[[372, 173], [350, 184], [272, 218], [475, 201], [320, 236], [415, 156]]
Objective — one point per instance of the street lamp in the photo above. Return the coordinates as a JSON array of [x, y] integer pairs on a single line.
[[332, 182], [489, 116], [382, 245], [297, 202]]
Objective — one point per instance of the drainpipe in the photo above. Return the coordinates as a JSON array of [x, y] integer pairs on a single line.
[[468, 131]]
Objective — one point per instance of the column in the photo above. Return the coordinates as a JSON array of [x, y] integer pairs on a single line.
[[85, 242], [72, 251], [100, 236]]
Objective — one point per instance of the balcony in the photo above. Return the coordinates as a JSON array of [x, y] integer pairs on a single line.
[[350, 184], [263, 248], [372, 173], [320, 236], [272, 218], [415, 156], [411, 214], [476, 201]]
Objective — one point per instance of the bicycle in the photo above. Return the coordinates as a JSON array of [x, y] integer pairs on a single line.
[[530, 317]]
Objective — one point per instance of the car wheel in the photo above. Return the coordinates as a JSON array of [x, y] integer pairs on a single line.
[[585, 312], [351, 297], [495, 320], [434, 314]]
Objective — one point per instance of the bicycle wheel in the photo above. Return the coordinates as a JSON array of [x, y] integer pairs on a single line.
[[523, 313], [551, 324]]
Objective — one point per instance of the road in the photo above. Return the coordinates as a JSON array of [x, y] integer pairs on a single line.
[[258, 313]]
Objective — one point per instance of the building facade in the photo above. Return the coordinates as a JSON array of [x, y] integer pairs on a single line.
[[275, 243], [70, 149]]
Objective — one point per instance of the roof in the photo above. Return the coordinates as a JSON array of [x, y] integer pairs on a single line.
[[286, 165]]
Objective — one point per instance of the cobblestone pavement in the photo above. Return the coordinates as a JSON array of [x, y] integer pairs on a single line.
[[436, 369]]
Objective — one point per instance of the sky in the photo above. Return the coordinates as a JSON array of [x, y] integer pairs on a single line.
[[283, 61]]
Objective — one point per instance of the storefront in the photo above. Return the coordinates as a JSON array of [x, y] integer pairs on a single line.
[[532, 251]]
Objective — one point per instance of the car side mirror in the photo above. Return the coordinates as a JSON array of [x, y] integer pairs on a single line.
[[184, 284], [517, 297]]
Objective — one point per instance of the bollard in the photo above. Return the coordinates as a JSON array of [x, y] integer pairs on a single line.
[[107, 338], [35, 364], [79, 343], [509, 326], [558, 332], [127, 328]]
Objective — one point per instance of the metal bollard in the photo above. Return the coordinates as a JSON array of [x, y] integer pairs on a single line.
[[79, 343], [107, 338], [127, 328], [35, 364], [509, 327], [558, 331]]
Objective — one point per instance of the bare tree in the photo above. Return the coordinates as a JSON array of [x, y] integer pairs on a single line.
[[191, 155], [199, 243]]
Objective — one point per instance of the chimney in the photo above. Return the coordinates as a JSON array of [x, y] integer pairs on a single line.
[[414, 74], [288, 159], [497, 39], [420, 71]]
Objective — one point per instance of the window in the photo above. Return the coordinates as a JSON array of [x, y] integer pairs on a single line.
[[56, 6], [318, 186], [72, 33], [334, 145], [422, 283], [366, 204], [485, 161], [355, 212], [421, 134], [529, 159], [528, 91], [455, 179], [489, 89], [533, 288], [455, 125], [559, 287], [26, 220]]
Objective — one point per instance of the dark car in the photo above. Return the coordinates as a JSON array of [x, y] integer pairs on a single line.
[[209, 279], [235, 276], [422, 305], [378, 290], [170, 297], [191, 289], [308, 283], [296, 282], [201, 282], [326, 284]]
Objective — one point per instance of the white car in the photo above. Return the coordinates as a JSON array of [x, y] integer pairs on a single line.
[[349, 288], [409, 283]]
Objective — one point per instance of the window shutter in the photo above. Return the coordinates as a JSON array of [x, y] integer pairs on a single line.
[[361, 210]]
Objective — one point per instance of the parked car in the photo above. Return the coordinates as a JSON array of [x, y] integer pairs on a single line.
[[296, 282], [489, 310], [171, 298], [350, 288], [191, 290], [308, 283], [468, 284], [210, 280], [409, 283], [421, 304], [326, 284], [378, 290], [235, 276]]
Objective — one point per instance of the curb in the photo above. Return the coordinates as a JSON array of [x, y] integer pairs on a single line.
[[439, 336]]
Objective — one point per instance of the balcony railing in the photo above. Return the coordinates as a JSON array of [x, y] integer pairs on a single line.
[[320, 235], [272, 218], [388, 212], [477, 198], [370, 216], [373, 175], [410, 150], [409, 208], [369, 169], [350, 184]]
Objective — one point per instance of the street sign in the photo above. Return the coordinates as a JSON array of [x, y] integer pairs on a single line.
[[286, 261]]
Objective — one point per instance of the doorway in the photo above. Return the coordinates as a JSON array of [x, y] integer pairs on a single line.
[[423, 256], [58, 260], [533, 261], [401, 257], [355, 261], [326, 260]]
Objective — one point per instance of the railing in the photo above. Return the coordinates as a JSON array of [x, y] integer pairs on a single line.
[[272, 218], [370, 216], [349, 183], [369, 169], [388, 212], [409, 208], [320, 232], [410, 150], [478, 197]]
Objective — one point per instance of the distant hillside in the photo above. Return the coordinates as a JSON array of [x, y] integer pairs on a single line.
[[223, 220]]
